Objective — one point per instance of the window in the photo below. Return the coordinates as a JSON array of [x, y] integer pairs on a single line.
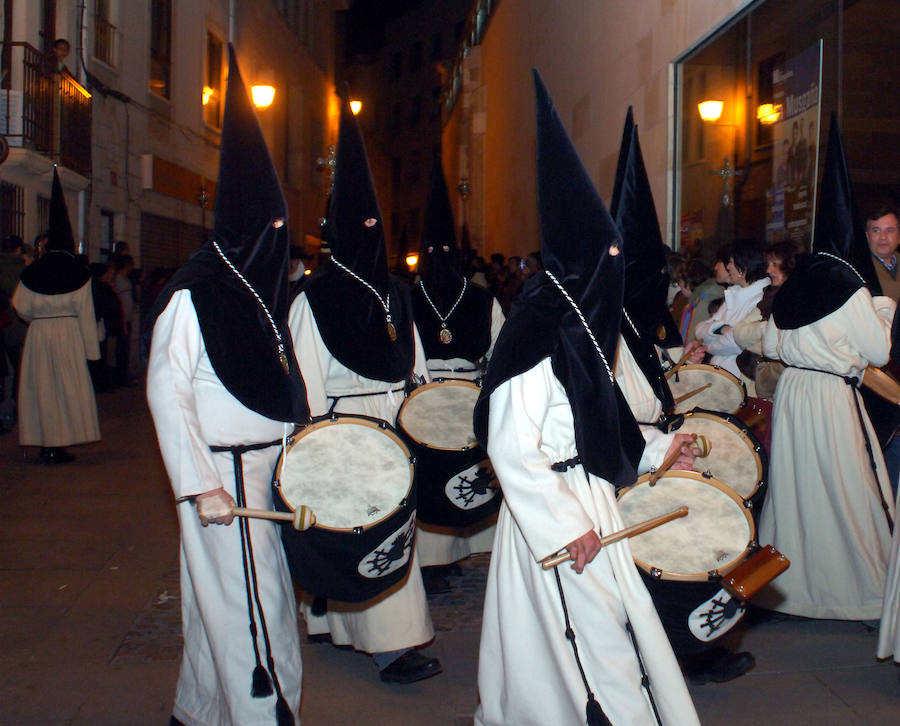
[[213, 101], [48, 23], [12, 210], [107, 231], [161, 47], [396, 66], [415, 57], [104, 34]]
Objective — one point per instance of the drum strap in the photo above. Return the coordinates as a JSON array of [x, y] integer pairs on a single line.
[[261, 685], [853, 382], [595, 714], [336, 399]]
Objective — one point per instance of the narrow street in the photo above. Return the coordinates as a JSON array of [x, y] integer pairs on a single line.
[[90, 616]]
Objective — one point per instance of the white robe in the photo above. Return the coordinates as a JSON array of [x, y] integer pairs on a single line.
[[191, 411], [56, 398], [399, 618], [443, 545], [527, 672], [823, 509]]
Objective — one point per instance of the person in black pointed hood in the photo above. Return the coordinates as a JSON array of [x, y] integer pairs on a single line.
[[459, 323], [56, 399], [561, 439], [359, 351], [829, 499], [645, 311], [225, 390]]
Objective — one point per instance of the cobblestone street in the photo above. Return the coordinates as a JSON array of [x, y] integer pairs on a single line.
[[91, 632]]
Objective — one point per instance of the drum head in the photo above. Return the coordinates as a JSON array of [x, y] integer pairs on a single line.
[[714, 536], [351, 471], [439, 415], [724, 392], [735, 456]]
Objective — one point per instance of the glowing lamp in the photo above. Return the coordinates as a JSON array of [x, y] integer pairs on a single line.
[[355, 106], [710, 110], [207, 94], [262, 95], [412, 260], [768, 113]]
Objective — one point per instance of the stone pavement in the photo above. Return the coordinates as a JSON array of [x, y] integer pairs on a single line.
[[90, 616]]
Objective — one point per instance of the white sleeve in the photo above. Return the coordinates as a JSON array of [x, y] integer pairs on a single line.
[[497, 320], [175, 353], [546, 511], [656, 444], [312, 355], [87, 323]]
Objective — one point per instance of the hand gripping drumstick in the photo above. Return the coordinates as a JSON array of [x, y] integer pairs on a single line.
[[680, 363], [639, 528], [701, 441], [302, 518], [685, 396]]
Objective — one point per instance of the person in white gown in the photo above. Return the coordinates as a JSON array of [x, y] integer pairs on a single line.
[[56, 399], [359, 351], [829, 506], [224, 390], [459, 324], [562, 438]]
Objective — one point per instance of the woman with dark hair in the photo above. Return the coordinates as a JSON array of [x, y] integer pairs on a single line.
[[747, 274], [781, 259]]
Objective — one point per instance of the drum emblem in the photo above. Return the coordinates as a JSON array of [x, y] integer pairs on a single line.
[[391, 554], [472, 487], [715, 617]]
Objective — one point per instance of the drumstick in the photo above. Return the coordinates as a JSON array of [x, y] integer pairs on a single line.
[[639, 528], [685, 396], [302, 518], [680, 363]]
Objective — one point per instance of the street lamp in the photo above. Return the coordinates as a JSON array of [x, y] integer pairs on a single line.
[[263, 95], [355, 106]]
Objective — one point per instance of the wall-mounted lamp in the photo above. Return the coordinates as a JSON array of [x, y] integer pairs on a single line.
[[768, 113], [355, 106], [710, 110], [412, 259], [208, 93], [262, 95]]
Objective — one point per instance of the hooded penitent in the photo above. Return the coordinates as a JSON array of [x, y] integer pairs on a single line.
[[349, 294], [239, 279], [646, 271], [57, 271], [824, 281], [580, 248], [453, 316], [838, 229]]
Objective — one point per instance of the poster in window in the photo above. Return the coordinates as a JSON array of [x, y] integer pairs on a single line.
[[794, 117]]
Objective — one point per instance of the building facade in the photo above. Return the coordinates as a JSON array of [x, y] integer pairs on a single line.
[[151, 74], [780, 67]]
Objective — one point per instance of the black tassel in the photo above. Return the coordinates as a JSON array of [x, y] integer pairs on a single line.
[[595, 715], [319, 606], [283, 715], [262, 684]]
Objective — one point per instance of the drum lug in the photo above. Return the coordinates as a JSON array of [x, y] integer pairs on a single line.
[[748, 504], [713, 575], [655, 573], [706, 474], [357, 530]]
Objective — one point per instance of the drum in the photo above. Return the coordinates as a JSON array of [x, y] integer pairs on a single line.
[[455, 480], [736, 457], [356, 475], [682, 562], [710, 388]]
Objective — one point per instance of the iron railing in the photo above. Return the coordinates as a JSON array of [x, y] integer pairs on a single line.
[[44, 108]]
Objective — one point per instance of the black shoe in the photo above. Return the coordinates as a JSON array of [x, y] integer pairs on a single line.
[[175, 722], [723, 666], [410, 667], [319, 638], [435, 583], [51, 456]]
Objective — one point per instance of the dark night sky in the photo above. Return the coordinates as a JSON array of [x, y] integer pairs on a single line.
[[365, 22]]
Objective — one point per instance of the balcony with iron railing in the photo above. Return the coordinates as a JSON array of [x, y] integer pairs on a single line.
[[44, 109]]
